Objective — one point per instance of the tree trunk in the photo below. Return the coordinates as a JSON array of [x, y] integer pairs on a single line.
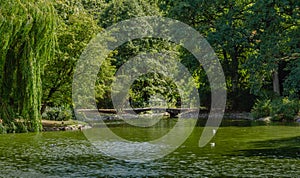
[[276, 87]]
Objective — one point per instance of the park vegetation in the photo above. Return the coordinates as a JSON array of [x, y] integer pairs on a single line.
[[256, 41]]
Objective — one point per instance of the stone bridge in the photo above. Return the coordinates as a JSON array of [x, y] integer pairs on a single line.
[[172, 111]]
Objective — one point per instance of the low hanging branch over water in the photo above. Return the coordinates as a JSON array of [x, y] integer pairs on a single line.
[[27, 42]]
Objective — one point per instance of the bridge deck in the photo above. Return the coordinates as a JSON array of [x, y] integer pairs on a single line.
[[171, 111]]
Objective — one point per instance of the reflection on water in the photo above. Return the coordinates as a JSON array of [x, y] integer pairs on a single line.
[[131, 151], [242, 148]]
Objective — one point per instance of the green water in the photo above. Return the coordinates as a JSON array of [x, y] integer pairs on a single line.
[[242, 148]]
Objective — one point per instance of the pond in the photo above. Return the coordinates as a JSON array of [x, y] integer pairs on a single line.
[[241, 148]]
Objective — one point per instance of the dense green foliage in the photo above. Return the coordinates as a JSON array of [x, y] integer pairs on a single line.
[[279, 109], [257, 42], [262, 108], [284, 109], [62, 113], [76, 28], [27, 42]]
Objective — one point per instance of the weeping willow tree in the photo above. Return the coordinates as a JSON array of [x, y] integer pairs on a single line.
[[27, 41]]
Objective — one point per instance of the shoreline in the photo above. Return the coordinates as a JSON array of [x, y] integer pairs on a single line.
[[49, 125], [73, 125]]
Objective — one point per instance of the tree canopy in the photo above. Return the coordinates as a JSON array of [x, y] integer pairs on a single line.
[[256, 41], [27, 42]]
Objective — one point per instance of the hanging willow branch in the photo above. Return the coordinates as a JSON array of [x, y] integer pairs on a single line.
[[27, 41]]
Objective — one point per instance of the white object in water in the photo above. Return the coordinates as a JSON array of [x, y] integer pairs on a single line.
[[212, 144], [214, 131]]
